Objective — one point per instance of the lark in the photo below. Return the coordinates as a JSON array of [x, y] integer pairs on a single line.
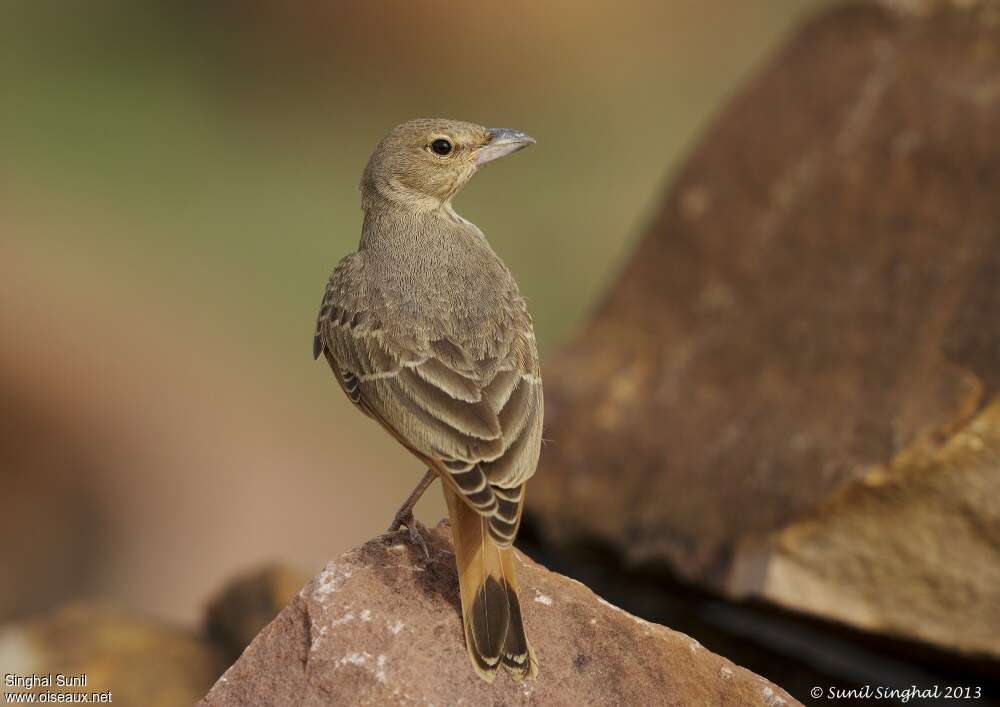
[[427, 333]]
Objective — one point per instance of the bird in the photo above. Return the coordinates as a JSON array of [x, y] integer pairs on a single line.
[[427, 333]]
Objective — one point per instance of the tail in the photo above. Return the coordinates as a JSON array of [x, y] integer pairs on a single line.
[[491, 612]]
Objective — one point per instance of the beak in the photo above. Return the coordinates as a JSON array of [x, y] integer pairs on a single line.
[[503, 141]]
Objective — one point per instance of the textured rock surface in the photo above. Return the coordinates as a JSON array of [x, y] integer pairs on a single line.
[[791, 391], [382, 626], [141, 662], [912, 549]]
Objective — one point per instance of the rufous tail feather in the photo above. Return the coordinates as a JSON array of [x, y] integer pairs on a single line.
[[491, 610]]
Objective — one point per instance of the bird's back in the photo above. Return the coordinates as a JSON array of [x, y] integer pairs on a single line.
[[427, 276]]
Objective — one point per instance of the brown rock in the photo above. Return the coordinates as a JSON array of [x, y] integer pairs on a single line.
[[382, 626], [911, 550], [48, 504], [248, 603], [139, 661], [791, 392]]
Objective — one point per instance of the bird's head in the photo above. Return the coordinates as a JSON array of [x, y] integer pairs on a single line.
[[423, 163]]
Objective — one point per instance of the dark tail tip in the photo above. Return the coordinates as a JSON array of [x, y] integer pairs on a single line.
[[497, 632], [518, 657], [489, 622]]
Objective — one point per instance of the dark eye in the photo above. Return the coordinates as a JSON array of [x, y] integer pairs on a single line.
[[441, 147]]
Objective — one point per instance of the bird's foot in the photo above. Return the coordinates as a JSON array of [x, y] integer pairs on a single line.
[[405, 518]]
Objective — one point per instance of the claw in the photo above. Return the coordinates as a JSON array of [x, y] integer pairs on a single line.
[[416, 537], [402, 518]]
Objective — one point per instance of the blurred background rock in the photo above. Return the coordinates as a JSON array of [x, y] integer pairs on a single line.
[[176, 182], [140, 661], [789, 395]]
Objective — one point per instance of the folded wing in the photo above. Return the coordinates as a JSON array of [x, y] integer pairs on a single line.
[[476, 418]]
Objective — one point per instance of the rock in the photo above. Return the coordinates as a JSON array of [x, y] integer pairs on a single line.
[[137, 660], [382, 625], [248, 603], [791, 391], [49, 504], [142, 661]]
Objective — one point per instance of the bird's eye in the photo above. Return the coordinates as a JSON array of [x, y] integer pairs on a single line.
[[441, 147]]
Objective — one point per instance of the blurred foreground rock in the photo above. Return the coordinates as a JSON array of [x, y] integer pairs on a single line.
[[382, 626], [140, 661], [791, 392]]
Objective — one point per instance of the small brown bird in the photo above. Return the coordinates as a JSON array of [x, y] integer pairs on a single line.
[[427, 333]]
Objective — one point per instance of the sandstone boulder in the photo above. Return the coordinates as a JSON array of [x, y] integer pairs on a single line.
[[791, 393], [382, 625]]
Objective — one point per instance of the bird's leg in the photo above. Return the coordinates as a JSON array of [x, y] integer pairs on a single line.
[[404, 516]]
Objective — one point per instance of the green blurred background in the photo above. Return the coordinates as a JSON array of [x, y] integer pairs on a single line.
[[178, 179]]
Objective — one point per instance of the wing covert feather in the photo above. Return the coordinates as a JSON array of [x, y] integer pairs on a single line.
[[473, 408]]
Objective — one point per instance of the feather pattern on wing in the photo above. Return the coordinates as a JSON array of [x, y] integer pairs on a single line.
[[464, 395]]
